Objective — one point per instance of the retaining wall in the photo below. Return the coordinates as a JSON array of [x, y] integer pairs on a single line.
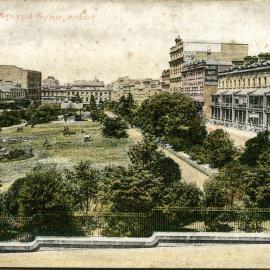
[[122, 242]]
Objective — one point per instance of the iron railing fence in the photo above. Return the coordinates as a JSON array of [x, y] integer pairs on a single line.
[[173, 219]]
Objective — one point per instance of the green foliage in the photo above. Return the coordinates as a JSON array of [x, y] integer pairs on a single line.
[[43, 197], [146, 155], [220, 148], [83, 183], [183, 195], [41, 191], [228, 187], [258, 188], [135, 190], [255, 147], [198, 153], [10, 118], [114, 127], [125, 107], [173, 116]]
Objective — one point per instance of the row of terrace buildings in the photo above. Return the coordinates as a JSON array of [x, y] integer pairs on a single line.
[[232, 88], [141, 89], [79, 91], [243, 96]]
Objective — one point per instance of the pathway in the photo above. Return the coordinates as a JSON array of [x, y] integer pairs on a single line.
[[238, 136], [189, 173], [185, 256]]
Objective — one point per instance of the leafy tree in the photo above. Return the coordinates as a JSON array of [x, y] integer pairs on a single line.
[[41, 191], [255, 147], [258, 188], [228, 187], [173, 116], [43, 196], [220, 148], [83, 183], [146, 155], [135, 190], [10, 118], [125, 107], [43, 114], [94, 112], [183, 195], [114, 127]]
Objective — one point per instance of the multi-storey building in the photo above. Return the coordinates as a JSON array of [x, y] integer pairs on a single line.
[[28, 79], [140, 89], [200, 81], [81, 88], [50, 82], [11, 92], [243, 98], [187, 51], [165, 77], [176, 62]]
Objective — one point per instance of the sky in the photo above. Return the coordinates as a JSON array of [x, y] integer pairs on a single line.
[[73, 40]]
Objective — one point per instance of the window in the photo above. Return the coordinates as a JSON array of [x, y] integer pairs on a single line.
[[248, 82], [259, 81], [265, 81]]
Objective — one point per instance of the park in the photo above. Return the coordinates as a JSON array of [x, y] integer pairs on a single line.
[[65, 150]]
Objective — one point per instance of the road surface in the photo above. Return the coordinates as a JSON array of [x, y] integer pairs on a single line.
[[185, 256]]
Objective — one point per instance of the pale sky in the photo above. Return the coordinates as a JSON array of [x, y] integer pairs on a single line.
[[120, 38]]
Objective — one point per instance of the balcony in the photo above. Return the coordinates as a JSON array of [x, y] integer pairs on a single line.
[[255, 106], [240, 106], [229, 105], [215, 104]]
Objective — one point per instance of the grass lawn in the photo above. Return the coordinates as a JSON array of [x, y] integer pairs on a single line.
[[65, 151]]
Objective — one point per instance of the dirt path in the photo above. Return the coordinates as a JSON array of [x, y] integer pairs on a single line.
[[189, 173]]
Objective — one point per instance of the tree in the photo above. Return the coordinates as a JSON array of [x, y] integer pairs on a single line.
[[10, 118], [94, 113], [114, 127], [43, 197], [220, 148], [135, 190], [83, 182], [126, 106], [255, 147], [146, 155], [258, 188], [228, 187], [174, 117], [183, 195], [41, 191]]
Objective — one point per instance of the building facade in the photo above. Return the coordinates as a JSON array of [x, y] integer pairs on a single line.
[[28, 79], [140, 89], [176, 62], [184, 52], [82, 89], [243, 98], [50, 82], [165, 80], [11, 92], [200, 81]]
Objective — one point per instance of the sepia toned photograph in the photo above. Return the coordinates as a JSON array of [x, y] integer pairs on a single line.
[[135, 134]]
